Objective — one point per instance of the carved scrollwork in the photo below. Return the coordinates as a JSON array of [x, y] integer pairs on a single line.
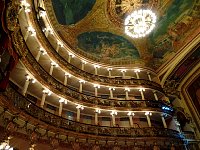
[[11, 127], [18, 43], [13, 8], [171, 88]]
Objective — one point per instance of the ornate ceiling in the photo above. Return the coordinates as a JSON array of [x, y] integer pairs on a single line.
[[94, 29]]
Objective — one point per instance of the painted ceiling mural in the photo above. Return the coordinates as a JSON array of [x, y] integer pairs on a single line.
[[171, 28], [95, 28], [106, 46], [71, 11]]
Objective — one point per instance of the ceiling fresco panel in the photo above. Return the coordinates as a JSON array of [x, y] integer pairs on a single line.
[[71, 11], [107, 46], [172, 30], [176, 11]]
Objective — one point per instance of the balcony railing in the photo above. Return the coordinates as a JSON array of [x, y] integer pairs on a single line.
[[22, 103], [74, 95]]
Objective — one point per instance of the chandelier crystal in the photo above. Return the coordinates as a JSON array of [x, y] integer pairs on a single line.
[[140, 23]]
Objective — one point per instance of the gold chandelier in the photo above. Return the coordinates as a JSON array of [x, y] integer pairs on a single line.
[[140, 23]]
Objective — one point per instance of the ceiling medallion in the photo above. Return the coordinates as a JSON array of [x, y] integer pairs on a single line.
[[139, 23]]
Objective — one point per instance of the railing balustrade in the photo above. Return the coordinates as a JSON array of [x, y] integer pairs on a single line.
[[72, 93], [21, 102]]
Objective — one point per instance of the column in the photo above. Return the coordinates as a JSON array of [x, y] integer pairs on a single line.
[[96, 86], [113, 113], [123, 73], [41, 51], [43, 99], [109, 72], [44, 95], [78, 107], [148, 114], [59, 44], [81, 85], [47, 31], [155, 95], [25, 87], [38, 55], [78, 114], [26, 84], [131, 114], [51, 69], [163, 121], [131, 120], [126, 91], [96, 118], [113, 120], [83, 65], [67, 75], [26, 35], [142, 94], [111, 89], [60, 109], [149, 76], [96, 121], [96, 69], [136, 72], [53, 64], [70, 57]]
